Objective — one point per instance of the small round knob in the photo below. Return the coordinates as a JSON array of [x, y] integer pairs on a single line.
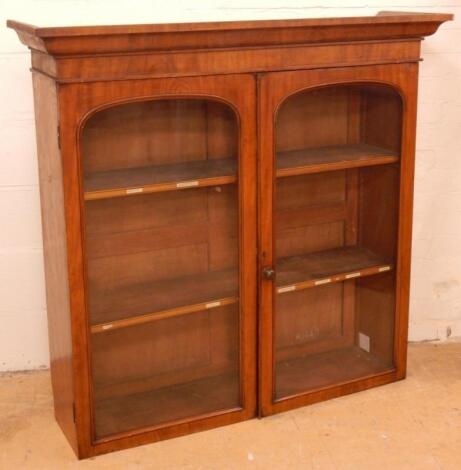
[[268, 273]]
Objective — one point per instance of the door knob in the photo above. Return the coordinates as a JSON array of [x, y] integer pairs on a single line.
[[268, 273]]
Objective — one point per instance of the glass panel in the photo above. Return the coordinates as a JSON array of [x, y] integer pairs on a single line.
[[160, 180], [336, 213]]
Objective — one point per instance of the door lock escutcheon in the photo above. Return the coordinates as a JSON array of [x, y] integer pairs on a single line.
[[269, 273]]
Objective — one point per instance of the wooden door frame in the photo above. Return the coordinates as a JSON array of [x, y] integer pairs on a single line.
[[78, 101], [273, 89]]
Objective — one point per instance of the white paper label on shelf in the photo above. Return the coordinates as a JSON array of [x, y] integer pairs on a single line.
[[281, 290], [134, 190], [107, 327], [350, 276], [364, 342], [187, 184], [384, 268], [322, 281], [213, 304]]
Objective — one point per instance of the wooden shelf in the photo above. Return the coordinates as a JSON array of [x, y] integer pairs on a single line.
[[182, 296], [142, 303], [151, 179], [316, 371], [166, 404], [339, 157], [131, 181], [325, 267]]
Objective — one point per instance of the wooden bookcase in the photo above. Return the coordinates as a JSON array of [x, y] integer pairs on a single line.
[[226, 213]]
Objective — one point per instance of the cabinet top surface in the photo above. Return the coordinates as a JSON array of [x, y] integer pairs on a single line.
[[248, 46], [382, 18]]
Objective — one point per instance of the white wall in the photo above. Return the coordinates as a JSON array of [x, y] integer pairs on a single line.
[[436, 279]]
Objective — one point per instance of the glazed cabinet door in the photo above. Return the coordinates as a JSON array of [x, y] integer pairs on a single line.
[[335, 227], [168, 248]]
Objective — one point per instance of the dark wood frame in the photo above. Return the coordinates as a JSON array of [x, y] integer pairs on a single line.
[[253, 66]]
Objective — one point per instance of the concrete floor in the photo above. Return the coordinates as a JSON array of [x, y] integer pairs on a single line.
[[414, 424]]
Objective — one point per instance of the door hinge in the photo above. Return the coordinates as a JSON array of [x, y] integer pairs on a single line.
[[74, 413], [59, 136]]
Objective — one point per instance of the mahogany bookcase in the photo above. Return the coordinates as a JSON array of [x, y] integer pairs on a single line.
[[227, 213]]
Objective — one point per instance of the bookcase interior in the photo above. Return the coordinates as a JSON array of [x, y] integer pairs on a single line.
[[335, 228], [162, 244]]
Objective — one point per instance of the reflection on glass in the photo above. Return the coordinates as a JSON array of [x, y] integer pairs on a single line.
[[160, 183], [336, 211]]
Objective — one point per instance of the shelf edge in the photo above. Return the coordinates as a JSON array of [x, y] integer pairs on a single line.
[[334, 278], [343, 165], [161, 315], [158, 187]]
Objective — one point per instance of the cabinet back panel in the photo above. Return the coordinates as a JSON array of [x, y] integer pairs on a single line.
[[338, 115], [221, 131], [145, 133], [309, 239], [165, 346], [166, 236], [113, 272], [309, 190], [313, 119], [136, 213], [299, 197], [174, 350], [158, 132], [223, 232], [151, 239], [308, 315], [205, 342]]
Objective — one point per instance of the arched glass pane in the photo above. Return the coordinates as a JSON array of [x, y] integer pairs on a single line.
[[161, 244], [336, 207]]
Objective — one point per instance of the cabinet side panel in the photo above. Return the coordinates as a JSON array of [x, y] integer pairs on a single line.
[[55, 253]]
